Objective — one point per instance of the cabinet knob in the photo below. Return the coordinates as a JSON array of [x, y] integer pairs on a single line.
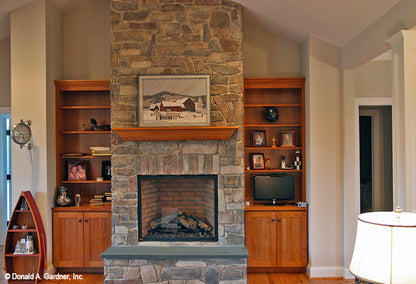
[[278, 220], [79, 220], [86, 221], [273, 220]]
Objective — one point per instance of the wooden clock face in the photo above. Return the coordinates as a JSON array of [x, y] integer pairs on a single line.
[[21, 133]]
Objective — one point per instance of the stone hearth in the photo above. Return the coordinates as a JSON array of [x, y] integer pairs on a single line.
[[177, 37]]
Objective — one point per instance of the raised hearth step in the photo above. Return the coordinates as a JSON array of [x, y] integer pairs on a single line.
[[149, 252]]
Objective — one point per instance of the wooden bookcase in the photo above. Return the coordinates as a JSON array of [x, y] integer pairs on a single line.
[[25, 213], [77, 101], [276, 236], [288, 96], [81, 233]]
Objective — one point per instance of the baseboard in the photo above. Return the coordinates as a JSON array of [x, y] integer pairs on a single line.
[[326, 272], [50, 269], [348, 274]]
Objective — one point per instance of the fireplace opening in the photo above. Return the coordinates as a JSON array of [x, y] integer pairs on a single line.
[[177, 207]]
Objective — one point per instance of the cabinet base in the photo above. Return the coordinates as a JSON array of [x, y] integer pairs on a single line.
[[276, 269], [66, 270]]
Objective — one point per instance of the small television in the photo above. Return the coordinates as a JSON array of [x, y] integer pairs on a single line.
[[280, 188]]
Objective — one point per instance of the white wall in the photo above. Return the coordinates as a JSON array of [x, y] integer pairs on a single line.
[[322, 68], [5, 72], [86, 40], [373, 79], [266, 55], [34, 65], [53, 71]]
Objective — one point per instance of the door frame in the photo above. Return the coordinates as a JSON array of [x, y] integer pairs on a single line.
[[363, 102], [3, 171]]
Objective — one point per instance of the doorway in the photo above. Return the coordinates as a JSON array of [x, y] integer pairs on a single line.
[[5, 169], [376, 179]]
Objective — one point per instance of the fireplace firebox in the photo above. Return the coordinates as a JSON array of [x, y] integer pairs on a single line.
[[177, 208]]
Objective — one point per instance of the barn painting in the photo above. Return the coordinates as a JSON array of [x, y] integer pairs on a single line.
[[174, 100]]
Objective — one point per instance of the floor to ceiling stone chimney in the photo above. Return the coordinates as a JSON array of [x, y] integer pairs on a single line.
[[154, 37]]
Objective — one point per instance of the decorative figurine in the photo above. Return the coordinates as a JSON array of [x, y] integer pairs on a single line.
[[274, 142], [267, 163], [18, 249], [64, 197], [271, 114], [29, 243], [298, 160], [283, 162]]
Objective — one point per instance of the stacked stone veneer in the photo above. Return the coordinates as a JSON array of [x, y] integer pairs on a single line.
[[176, 37], [173, 271]]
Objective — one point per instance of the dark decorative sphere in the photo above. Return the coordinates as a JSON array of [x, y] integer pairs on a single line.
[[271, 114]]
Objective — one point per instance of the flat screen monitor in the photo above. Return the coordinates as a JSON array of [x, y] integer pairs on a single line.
[[278, 187]]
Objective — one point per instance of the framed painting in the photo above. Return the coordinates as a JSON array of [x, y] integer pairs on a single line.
[[174, 100], [77, 170], [259, 138], [257, 161], [287, 139]]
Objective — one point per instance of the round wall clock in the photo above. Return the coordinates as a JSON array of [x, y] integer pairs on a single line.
[[21, 134]]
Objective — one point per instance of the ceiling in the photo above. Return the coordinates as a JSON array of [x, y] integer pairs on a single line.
[[336, 21]]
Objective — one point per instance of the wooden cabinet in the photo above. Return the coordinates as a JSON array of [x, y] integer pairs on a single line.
[[77, 102], [292, 240], [277, 239], [25, 220], [79, 238], [287, 95], [261, 239]]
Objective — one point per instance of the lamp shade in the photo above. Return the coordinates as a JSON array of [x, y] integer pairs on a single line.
[[385, 248]]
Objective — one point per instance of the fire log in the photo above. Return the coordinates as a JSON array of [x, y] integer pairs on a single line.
[[204, 226], [163, 220], [187, 222]]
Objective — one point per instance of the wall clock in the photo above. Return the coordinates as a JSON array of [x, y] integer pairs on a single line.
[[21, 134]]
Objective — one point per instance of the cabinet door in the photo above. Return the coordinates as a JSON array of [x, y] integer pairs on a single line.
[[68, 250], [261, 239], [292, 240], [97, 237]]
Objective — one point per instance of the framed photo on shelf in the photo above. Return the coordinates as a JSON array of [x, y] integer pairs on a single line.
[[77, 170], [174, 100], [287, 139], [257, 161], [106, 170], [259, 138]]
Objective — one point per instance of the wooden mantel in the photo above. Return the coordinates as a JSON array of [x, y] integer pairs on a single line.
[[175, 133]]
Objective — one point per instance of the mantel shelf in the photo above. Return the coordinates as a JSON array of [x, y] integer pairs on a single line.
[[175, 133]]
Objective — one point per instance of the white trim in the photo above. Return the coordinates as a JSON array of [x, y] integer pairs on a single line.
[[373, 101], [326, 271], [348, 274], [5, 110]]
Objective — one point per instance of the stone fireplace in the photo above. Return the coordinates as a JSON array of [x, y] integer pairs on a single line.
[[177, 208], [177, 37]]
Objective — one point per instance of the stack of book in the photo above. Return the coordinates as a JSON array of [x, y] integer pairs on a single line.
[[97, 200], [101, 151], [107, 196]]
